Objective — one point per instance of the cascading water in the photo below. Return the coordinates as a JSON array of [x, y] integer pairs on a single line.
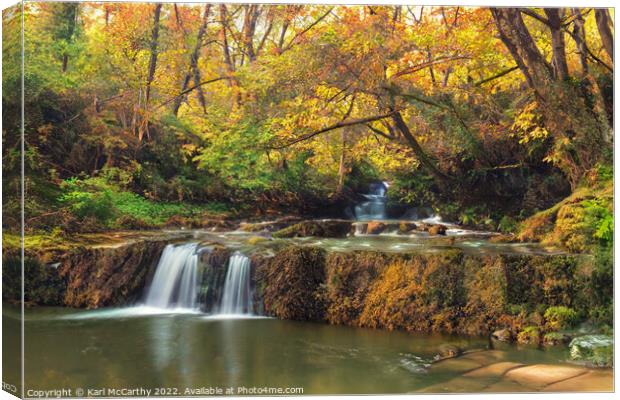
[[237, 298], [374, 208], [176, 278]]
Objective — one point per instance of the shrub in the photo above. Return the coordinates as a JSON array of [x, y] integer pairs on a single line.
[[529, 335], [560, 317]]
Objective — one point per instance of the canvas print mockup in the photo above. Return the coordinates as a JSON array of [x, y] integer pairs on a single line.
[[205, 199]]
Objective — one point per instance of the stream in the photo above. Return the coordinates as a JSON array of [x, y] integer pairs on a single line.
[[138, 347]]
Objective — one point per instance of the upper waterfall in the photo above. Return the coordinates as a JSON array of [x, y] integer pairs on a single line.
[[374, 207]]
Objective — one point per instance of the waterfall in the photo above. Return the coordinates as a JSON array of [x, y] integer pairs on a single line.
[[176, 278], [237, 297], [374, 208]]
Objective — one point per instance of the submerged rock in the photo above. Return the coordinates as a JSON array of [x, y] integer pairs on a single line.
[[594, 350], [333, 228], [503, 335], [449, 351]]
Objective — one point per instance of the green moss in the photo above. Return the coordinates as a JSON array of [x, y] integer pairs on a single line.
[[529, 335], [578, 223], [322, 228], [560, 317]]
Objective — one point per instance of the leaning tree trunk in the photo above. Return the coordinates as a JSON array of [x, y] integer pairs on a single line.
[[602, 22], [151, 72], [580, 133]]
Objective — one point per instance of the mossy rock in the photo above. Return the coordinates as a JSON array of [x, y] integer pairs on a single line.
[[291, 284], [529, 335], [555, 339], [406, 227], [593, 350], [333, 228]]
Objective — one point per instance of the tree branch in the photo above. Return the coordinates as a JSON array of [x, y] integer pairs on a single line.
[[496, 76], [312, 25], [427, 64], [340, 124], [186, 91]]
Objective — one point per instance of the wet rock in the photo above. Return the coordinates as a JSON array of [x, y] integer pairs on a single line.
[[434, 230], [375, 227], [555, 339], [254, 240], [319, 228], [503, 239], [503, 335], [449, 351], [406, 227], [269, 226], [593, 381], [540, 375], [593, 350]]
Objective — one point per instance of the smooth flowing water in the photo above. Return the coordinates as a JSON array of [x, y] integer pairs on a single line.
[[374, 207], [237, 299], [122, 349], [175, 281]]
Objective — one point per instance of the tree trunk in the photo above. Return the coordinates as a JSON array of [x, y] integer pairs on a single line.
[[151, 72], [579, 131], [422, 157], [193, 70], [342, 166], [602, 22], [557, 42], [230, 66], [252, 12], [153, 60], [579, 35]]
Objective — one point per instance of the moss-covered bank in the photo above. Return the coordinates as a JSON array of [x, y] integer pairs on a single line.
[[83, 276], [448, 292]]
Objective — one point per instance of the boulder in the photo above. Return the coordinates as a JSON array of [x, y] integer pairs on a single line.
[[503, 335], [406, 227], [593, 350], [449, 351], [555, 339], [434, 230], [375, 227], [335, 228]]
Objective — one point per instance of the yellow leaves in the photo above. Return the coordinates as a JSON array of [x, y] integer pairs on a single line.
[[527, 125]]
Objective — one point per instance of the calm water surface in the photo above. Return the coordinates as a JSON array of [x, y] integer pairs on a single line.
[[135, 348]]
